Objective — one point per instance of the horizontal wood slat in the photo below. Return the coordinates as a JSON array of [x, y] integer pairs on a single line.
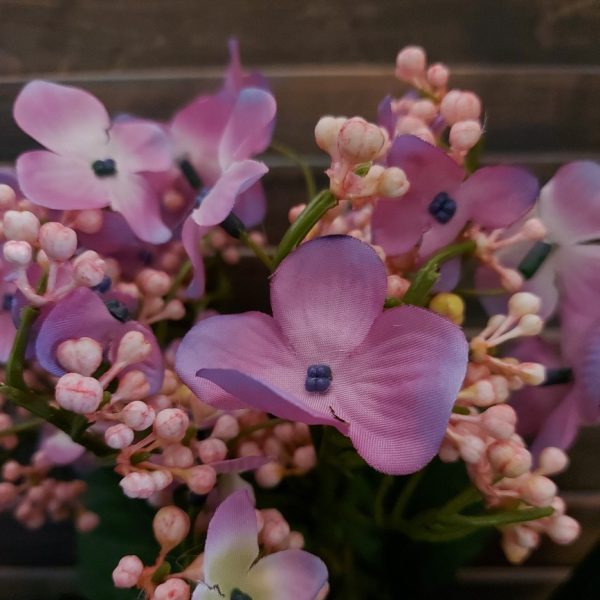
[[74, 35]]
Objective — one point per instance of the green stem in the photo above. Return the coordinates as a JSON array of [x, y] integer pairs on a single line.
[[500, 518], [16, 360], [468, 496], [183, 272], [406, 494], [429, 273], [379, 504], [20, 427], [309, 180], [307, 219], [259, 252]]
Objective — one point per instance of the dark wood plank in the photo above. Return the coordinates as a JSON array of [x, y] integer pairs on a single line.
[[73, 35]]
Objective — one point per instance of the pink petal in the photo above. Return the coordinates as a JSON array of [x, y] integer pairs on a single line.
[[140, 146], [138, 202], [235, 78], [326, 295], [231, 542], [191, 234], [221, 199], [250, 126], [569, 203], [401, 385], [496, 197], [251, 205], [287, 575], [65, 119], [61, 183], [60, 449]]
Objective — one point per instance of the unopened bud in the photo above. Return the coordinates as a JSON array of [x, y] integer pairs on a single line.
[[89, 269], [89, 221], [127, 572], [553, 461], [532, 373], [509, 460], [460, 106], [451, 306], [327, 131], [153, 282], [171, 424], [118, 436], [465, 134], [57, 241], [82, 355], [78, 393], [133, 348], [202, 479], [393, 183], [162, 479], [7, 196], [530, 325], [410, 63], [226, 427], [438, 75], [211, 450], [87, 521], [305, 457], [500, 421], [172, 589], [171, 526], [138, 485], [564, 529], [269, 475], [133, 386], [360, 141], [524, 303], [538, 491], [138, 415], [18, 253], [21, 225]]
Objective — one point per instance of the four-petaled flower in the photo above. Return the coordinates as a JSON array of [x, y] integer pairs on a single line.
[[330, 355]]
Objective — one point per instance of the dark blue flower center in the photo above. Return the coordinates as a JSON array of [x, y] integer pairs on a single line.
[[239, 595], [318, 378], [118, 310], [8, 301], [442, 208], [104, 168], [104, 285]]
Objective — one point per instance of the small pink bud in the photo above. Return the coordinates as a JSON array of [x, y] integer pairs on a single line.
[[274, 533], [295, 211], [269, 475], [507, 459], [170, 382], [177, 456], [438, 75], [424, 110], [170, 525], [21, 225], [211, 450], [393, 183], [526, 537], [564, 529], [162, 479], [57, 241], [87, 521], [171, 424], [118, 436], [132, 386], [82, 355], [360, 141], [8, 493], [89, 221], [448, 453], [410, 63], [7, 196], [153, 282], [202, 479], [133, 348], [127, 572], [172, 589], [11, 470], [465, 134], [524, 303], [500, 421], [18, 253], [460, 106], [553, 461], [532, 373], [226, 427], [78, 393], [327, 131], [138, 485], [305, 457], [137, 415], [511, 279], [296, 540], [397, 286], [534, 229], [538, 491], [284, 432], [249, 448], [89, 269]]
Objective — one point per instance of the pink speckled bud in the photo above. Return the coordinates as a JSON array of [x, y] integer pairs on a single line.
[[21, 225], [78, 393], [82, 355], [133, 348], [172, 589], [137, 415], [465, 134], [202, 479], [410, 63], [360, 141], [211, 450], [57, 241], [138, 485], [89, 269], [127, 572], [170, 525], [171, 424], [118, 436]]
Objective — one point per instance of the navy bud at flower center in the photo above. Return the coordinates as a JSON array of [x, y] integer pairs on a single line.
[[318, 378], [104, 168], [239, 595], [442, 208]]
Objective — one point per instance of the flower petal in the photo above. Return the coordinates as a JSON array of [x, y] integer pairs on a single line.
[[138, 202], [231, 542], [288, 575], [191, 234], [251, 205], [401, 385], [140, 146], [62, 183], [65, 119], [326, 295], [241, 464], [222, 197], [569, 203], [498, 196], [249, 128]]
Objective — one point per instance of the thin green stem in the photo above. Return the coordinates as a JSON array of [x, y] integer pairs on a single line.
[[183, 272], [309, 180], [307, 219], [429, 273], [259, 252], [467, 497], [21, 427], [16, 360], [406, 494], [379, 504], [500, 518]]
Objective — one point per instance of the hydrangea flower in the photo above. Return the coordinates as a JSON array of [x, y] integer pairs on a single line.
[[330, 355], [90, 162], [231, 568], [440, 202]]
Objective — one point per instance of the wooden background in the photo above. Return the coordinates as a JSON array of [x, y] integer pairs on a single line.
[[536, 64]]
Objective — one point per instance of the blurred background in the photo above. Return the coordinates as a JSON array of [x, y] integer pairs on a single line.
[[535, 64]]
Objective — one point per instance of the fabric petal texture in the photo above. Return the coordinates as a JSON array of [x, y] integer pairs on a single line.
[[191, 235]]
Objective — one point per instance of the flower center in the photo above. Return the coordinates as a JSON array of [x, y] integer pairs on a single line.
[[318, 378], [534, 259], [104, 168], [442, 208], [239, 595], [8, 301], [558, 376], [104, 285], [118, 310]]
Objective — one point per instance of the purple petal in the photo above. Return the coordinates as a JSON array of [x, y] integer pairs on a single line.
[[240, 465], [221, 199], [326, 295], [140, 146], [400, 386], [250, 126], [62, 183], [231, 542], [60, 449], [251, 205], [450, 272], [386, 117], [287, 575], [7, 335], [569, 203], [138, 202], [496, 197], [191, 234], [235, 78], [65, 119]]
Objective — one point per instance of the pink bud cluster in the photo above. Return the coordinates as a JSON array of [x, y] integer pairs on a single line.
[[427, 114]]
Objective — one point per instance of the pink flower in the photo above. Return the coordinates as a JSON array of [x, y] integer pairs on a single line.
[[90, 162], [231, 568], [330, 355]]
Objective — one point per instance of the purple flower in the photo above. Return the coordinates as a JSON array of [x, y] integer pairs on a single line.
[[90, 162], [83, 314], [440, 202], [231, 568], [331, 355], [7, 328]]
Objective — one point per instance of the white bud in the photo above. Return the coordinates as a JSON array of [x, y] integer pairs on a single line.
[[118, 436], [83, 355], [171, 424], [360, 141], [18, 253], [21, 225], [133, 348], [532, 373], [78, 393], [89, 269], [57, 241], [327, 131], [564, 529], [530, 325], [553, 461], [393, 183], [138, 415], [524, 303]]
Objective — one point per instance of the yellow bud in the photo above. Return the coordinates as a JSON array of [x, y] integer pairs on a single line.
[[449, 305]]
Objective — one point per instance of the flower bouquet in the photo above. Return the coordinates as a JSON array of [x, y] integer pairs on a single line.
[[357, 442]]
